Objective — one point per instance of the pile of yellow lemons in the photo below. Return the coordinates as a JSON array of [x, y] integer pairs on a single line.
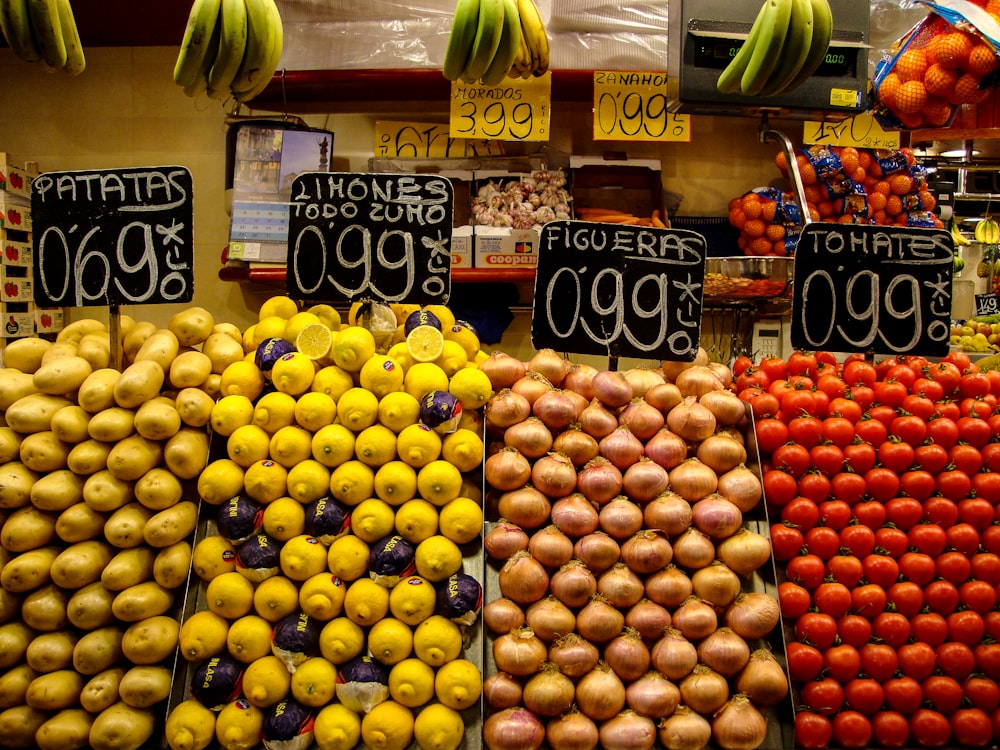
[[332, 412]]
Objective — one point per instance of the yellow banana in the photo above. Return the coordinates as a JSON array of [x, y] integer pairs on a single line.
[[197, 43], [957, 236], [729, 78], [795, 49], [17, 30], [76, 62], [488, 31], [510, 44], [822, 33], [460, 40], [521, 68], [276, 42], [232, 46], [987, 231], [533, 29], [47, 31], [767, 48]]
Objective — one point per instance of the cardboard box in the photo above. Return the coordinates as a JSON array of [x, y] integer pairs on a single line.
[[502, 247], [18, 325], [461, 247], [14, 178], [15, 212], [631, 185], [16, 254], [14, 288], [48, 319]]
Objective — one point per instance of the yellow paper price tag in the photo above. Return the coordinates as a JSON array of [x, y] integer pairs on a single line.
[[516, 110], [860, 131], [632, 106], [427, 140]]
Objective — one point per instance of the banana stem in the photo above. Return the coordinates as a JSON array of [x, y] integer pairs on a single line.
[[798, 190]]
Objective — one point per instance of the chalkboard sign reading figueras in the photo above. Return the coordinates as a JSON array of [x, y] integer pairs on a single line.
[[866, 288], [620, 291], [380, 236], [113, 237]]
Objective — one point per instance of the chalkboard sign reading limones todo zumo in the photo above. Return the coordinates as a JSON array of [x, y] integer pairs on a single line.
[[867, 288], [619, 290], [113, 237], [383, 236]]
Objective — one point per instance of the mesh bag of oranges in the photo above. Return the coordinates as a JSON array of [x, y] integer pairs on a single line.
[[946, 60], [768, 220]]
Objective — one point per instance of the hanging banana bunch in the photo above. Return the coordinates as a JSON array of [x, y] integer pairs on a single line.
[[44, 32], [494, 39]]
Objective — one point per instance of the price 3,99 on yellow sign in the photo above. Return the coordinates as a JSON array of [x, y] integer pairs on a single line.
[[632, 106], [516, 110]]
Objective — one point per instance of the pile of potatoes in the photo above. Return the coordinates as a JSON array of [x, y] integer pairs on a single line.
[[98, 504]]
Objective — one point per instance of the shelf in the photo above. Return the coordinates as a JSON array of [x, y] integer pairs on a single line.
[[243, 274]]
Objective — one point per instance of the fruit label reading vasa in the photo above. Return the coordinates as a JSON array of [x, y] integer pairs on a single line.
[[113, 237], [381, 236]]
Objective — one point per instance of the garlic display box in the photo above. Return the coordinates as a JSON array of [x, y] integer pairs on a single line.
[[48, 319], [18, 325], [15, 212], [14, 288], [13, 253], [13, 178]]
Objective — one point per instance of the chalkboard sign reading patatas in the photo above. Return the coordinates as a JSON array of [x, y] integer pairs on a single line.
[[618, 290], [866, 288], [113, 237], [384, 236]]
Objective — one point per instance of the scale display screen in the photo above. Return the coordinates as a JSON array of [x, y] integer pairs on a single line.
[[716, 53]]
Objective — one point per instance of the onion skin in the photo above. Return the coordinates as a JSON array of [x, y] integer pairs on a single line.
[[551, 364], [716, 584], [695, 618], [666, 448], [513, 728], [739, 725], [504, 539], [579, 379], [621, 518], [763, 680], [745, 551], [597, 551], [554, 475], [627, 655], [664, 396], [724, 651], [648, 618], [628, 731], [669, 587], [519, 653], [549, 692], [573, 584], [673, 655], [531, 437], [753, 615], [550, 619], [597, 420], [577, 444], [611, 388], [599, 480], [523, 579], [507, 469], [685, 729], [503, 615], [704, 690], [501, 691], [599, 622], [526, 507], [671, 368], [575, 516], [642, 418], [574, 655], [727, 407], [721, 453], [621, 447], [741, 487], [551, 547], [502, 369], [506, 408], [698, 380], [531, 386], [652, 695], [647, 551], [600, 694], [693, 480], [691, 420], [644, 480], [620, 586], [668, 512], [571, 731], [556, 409], [693, 549], [643, 378]]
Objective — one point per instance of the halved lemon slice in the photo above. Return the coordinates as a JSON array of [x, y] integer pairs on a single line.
[[425, 343], [314, 340]]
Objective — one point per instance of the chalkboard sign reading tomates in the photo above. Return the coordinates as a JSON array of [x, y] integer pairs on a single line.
[[618, 290], [382, 236], [867, 288], [113, 237]]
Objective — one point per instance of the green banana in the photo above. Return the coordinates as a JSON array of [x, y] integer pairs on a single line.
[[729, 79], [276, 43], [200, 84], [533, 29], [17, 29], [76, 62], [195, 47], [260, 38], [463, 34], [510, 45], [767, 48], [47, 32], [232, 45], [822, 33], [488, 31], [795, 49]]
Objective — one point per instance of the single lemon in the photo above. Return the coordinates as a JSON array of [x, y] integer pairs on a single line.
[[471, 386], [249, 638], [395, 482], [333, 381], [471, 419], [372, 519], [439, 727], [266, 681], [412, 600], [314, 410], [464, 448], [284, 518], [443, 313], [279, 305], [388, 726], [452, 358], [189, 724], [439, 481], [437, 640], [357, 408], [375, 445], [458, 684], [333, 445], [248, 338], [220, 480], [308, 480], [425, 343], [341, 640], [314, 341], [203, 635], [297, 323], [411, 682], [398, 410], [348, 557], [229, 595], [352, 347], [366, 602], [465, 336], [437, 557], [293, 373], [265, 481], [418, 445], [238, 725], [290, 445], [302, 557], [314, 682], [461, 520], [269, 327], [275, 597], [322, 596], [481, 356], [416, 519], [212, 556], [273, 411], [399, 352], [390, 641], [247, 445], [242, 378], [230, 412], [352, 482], [381, 375], [336, 728], [327, 314], [424, 377]]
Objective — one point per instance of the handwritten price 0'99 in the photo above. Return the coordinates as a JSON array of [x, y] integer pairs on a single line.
[[631, 114], [505, 120]]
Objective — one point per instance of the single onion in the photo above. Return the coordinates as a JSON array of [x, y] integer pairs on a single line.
[[549, 692], [628, 731], [555, 408], [598, 621], [550, 619], [668, 512], [597, 551], [627, 655], [667, 448], [506, 408], [554, 475], [531, 437], [501, 691], [513, 728], [721, 453], [753, 614], [523, 579], [549, 363], [644, 480], [763, 679], [673, 655], [739, 725], [502, 369], [669, 587], [597, 420], [525, 507], [531, 386], [577, 444], [697, 381], [600, 694], [732, 432], [716, 584], [741, 487], [652, 695], [502, 615], [507, 469], [519, 652], [504, 539], [642, 418], [573, 584], [745, 551], [695, 618], [575, 515], [693, 549], [704, 690], [685, 729], [664, 396], [620, 586], [574, 655], [620, 518], [716, 516], [579, 379], [691, 420], [672, 368], [727, 407], [571, 731], [722, 372], [643, 378], [692, 480], [647, 551], [724, 651], [599, 480], [551, 547], [648, 618], [611, 388], [621, 447]]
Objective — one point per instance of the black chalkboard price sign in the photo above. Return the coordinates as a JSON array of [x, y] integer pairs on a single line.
[[113, 237], [867, 288], [618, 290], [383, 236], [987, 304]]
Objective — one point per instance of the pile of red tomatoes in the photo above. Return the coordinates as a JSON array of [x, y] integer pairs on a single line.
[[882, 480]]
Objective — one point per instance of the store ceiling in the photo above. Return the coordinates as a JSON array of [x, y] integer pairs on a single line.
[[126, 23]]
